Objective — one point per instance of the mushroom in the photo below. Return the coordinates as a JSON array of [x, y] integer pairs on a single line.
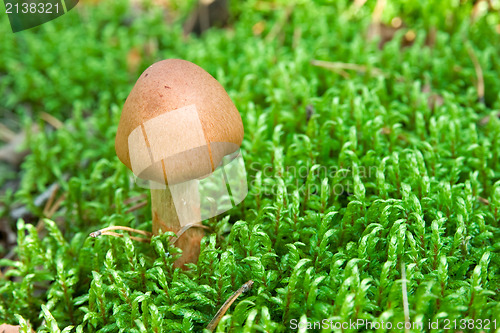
[[177, 125]]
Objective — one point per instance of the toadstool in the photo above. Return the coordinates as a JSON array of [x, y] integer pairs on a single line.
[[177, 125]]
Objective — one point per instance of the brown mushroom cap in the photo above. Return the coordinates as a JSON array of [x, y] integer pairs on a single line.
[[188, 90]]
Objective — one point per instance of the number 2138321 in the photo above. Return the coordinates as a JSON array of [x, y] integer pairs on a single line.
[[472, 324], [31, 8]]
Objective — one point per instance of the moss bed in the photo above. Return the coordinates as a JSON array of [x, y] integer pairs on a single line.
[[371, 144]]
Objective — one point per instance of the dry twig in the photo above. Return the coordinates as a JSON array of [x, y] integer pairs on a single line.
[[50, 207], [479, 74], [185, 228], [108, 232], [136, 207], [340, 67], [50, 119], [278, 27], [218, 316], [483, 200]]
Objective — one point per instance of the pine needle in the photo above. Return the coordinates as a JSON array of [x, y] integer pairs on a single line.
[[107, 231], [185, 228], [115, 234], [223, 309]]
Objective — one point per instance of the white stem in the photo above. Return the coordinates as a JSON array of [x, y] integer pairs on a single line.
[[174, 207]]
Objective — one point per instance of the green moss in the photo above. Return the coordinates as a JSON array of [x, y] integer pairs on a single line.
[[377, 179]]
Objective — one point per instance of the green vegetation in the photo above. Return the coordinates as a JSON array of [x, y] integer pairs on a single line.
[[396, 167]]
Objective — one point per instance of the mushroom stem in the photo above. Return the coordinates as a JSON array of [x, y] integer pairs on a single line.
[[172, 212]]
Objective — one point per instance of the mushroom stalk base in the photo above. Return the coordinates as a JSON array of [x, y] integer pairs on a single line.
[[166, 218]]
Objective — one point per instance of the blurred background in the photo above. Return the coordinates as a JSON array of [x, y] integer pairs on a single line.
[[62, 84], [333, 83]]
